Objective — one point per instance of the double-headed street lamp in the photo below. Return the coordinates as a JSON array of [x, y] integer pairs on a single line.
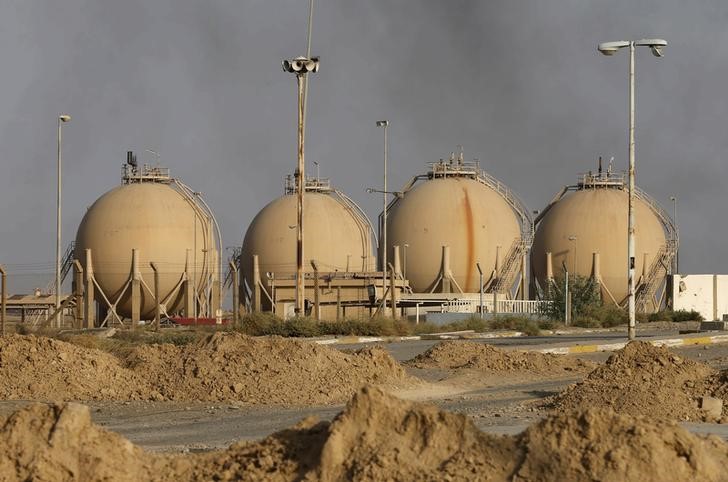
[[300, 66], [63, 118], [611, 48]]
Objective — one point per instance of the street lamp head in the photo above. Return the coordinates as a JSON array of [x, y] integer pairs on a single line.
[[611, 48], [672, 198], [382, 123], [301, 65], [64, 117], [655, 44], [369, 190]]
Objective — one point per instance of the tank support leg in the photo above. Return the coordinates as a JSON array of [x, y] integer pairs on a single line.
[[256, 284], [189, 294], [136, 289], [78, 293], [89, 311], [215, 295]]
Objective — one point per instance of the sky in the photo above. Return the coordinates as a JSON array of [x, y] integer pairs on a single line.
[[518, 83]]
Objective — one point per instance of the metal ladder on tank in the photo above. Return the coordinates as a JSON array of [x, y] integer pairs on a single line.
[[513, 201], [66, 264], [655, 278], [506, 277], [662, 263]]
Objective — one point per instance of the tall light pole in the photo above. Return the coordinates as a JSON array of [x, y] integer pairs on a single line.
[[63, 118], [611, 48], [575, 239], [384, 124], [676, 262], [300, 66]]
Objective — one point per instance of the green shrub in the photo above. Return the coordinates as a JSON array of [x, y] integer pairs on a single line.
[[676, 316], [606, 316], [584, 297]]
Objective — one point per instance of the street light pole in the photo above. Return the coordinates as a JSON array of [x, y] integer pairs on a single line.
[[676, 262], [300, 66], [384, 124], [610, 48], [58, 318], [575, 239]]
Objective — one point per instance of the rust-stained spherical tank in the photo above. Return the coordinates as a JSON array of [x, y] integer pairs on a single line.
[[596, 221], [335, 235], [156, 220], [459, 212]]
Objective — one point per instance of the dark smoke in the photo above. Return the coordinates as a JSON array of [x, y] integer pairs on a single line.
[[518, 84]]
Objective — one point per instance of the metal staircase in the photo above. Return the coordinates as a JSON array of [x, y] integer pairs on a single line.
[[645, 299], [509, 272], [66, 264], [662, 262]]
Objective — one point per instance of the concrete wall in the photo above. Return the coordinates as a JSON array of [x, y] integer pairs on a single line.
[[704, 293]]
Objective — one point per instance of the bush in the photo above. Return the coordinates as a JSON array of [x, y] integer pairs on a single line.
[[529, 326], [605, 316], [260, 324], [676, 316], [584, 297]]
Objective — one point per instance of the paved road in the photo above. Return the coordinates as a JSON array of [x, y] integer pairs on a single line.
[[407, 350]]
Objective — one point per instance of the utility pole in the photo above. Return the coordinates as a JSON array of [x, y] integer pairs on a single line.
[[301, 67], [59, 315], [384, 124]]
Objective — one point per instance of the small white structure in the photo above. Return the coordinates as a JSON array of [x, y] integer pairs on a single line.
[[704, 293]]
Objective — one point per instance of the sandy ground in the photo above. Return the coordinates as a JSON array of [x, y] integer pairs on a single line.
[[497, 403]]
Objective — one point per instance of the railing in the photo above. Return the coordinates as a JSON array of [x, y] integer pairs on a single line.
[[601, 179], [531, 307], [146, 173], [311, 184], [522, 307]]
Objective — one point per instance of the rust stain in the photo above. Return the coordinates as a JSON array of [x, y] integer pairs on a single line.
[[469, 240]]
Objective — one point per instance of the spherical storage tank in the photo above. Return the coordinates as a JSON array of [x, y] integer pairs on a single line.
[[458, 206], [156, 216], [592, 218], [336, 234]]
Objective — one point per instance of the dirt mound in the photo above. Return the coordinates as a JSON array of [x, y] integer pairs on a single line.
[[376, 437], [39, 368], [270, 370], [480, 356], [641, 379], [59, 443], [379, 437], [598, 444]]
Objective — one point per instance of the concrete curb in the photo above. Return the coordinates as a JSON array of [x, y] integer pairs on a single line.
[[351, 340], [669, 342]]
